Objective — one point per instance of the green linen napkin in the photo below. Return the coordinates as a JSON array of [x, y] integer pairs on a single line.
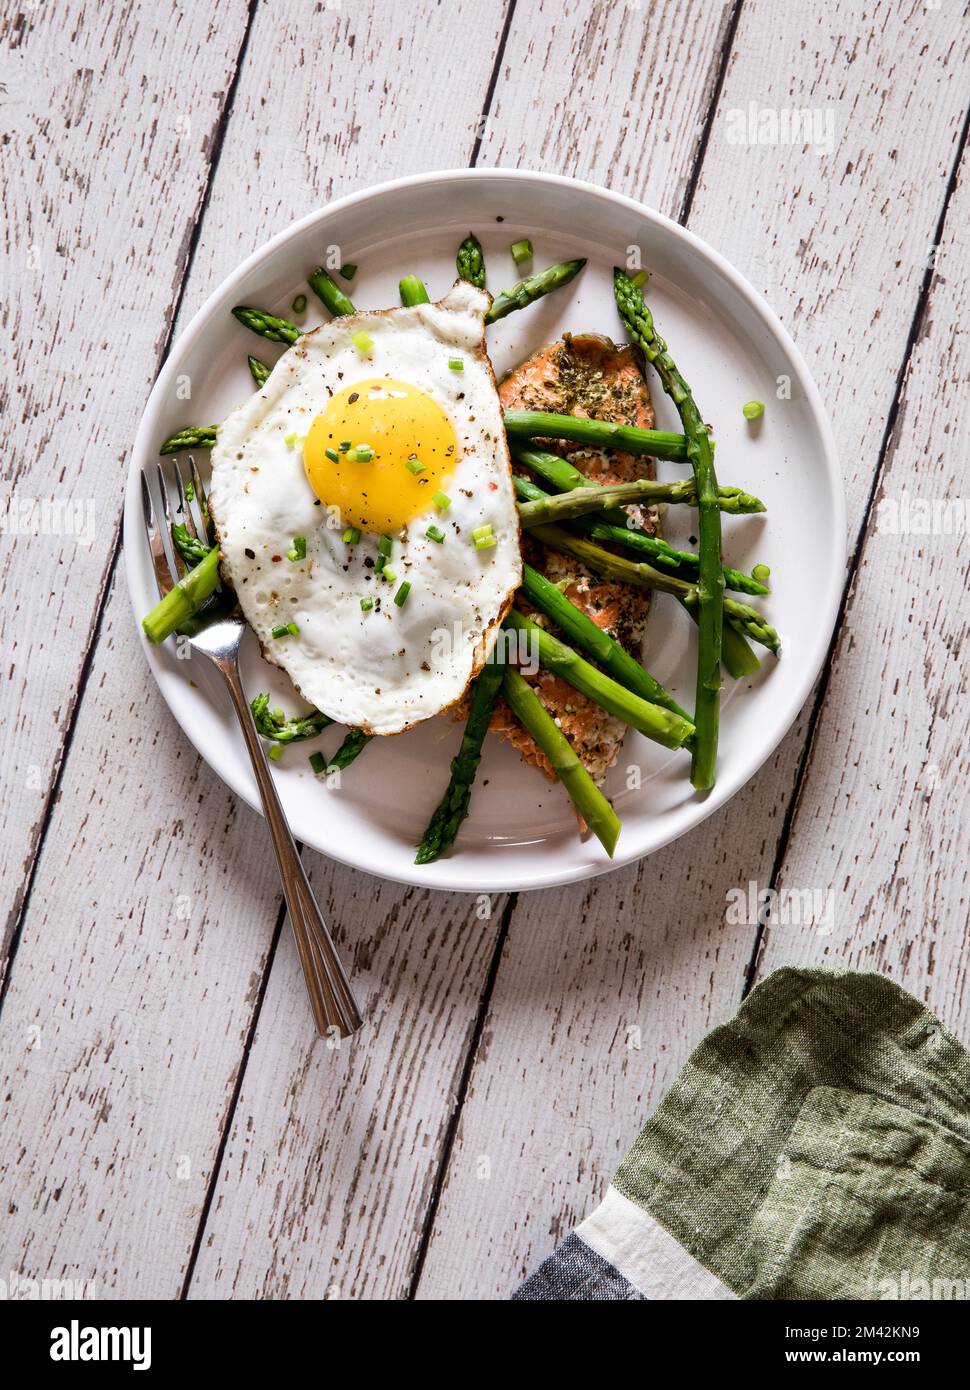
[[815, 1147]]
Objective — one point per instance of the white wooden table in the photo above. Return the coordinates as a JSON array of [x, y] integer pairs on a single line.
[[170, 1127]]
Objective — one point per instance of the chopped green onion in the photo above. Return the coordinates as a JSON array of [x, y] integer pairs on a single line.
[[401, 597], [379, 563], [433, 534], [457, 364], [362, 341], [389, 574], [274, 752], [441, 500], [344, 445], [522, 251], [297, 550], [362, 454], [385, 545], [481, 531], [753, 410], [318, 763], [760, 572], [332, 455], [348, 271], [291, 439], [414, 466], [366, 604], [286, 630], [299, 304], [641, 278], [351, 535], [484, 542]]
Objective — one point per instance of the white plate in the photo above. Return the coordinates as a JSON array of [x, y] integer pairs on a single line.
[[522, 832]]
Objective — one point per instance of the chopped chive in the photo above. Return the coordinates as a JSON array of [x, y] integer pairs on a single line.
[[433, 534], [293, 629], [753, 410], [457, 364], [351, 535], [522, 251], [385, 545], [274, 752], [297, 550], [332, 455], [362, 341], [344, 445], [441, 500], [348, 271], [484, 542], [414, 466], [318, 762], [760, 572], [291, 439], [401, 597], [286, 630], [641, 278], [366, 604], [299, 304], [481, 531], [362, 454], [379, 563], [389, 574]]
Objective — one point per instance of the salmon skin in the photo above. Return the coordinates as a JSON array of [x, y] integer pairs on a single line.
[[587, 375]]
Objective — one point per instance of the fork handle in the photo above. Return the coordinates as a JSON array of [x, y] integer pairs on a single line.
[[333, 1005]]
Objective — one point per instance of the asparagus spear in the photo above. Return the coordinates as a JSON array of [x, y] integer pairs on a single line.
[[325, 287], [184, 600], [681, 562], [470, 261], [192, 437], [585, 795], [533, 287], [592, 498], [413, 291], [660, 724], [274, 725], [352, 747], [453, 806], [192, 550], [259, 371], [638, 322], [595, 434], [742, 616], [597, 644], [269, 326]]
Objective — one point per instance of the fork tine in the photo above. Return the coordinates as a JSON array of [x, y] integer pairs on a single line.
[[188, 517], [176, 563], [160, 563], [201, 499]]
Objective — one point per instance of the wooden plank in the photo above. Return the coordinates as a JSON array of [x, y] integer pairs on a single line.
[[117, 1106], [837, 242], [882, 821], [106, 154], [329, 1168], [612, 93], [277, 1226]]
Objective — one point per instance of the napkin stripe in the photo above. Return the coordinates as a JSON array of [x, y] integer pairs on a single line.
[[631, 1240], [620, 1254]]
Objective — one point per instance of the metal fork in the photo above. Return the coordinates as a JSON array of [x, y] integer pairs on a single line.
[[218, 635]]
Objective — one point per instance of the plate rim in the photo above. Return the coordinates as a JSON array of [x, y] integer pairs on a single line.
[[812, 662]]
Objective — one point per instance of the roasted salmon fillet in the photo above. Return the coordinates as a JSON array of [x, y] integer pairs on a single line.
[[588, 375]]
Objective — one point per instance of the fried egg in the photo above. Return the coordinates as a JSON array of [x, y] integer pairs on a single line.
[[365, 511]]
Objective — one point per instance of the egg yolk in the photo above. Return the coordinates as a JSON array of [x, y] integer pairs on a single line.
[[378, 453]]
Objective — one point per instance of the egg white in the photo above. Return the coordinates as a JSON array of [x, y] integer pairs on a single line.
[[392, 667]]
